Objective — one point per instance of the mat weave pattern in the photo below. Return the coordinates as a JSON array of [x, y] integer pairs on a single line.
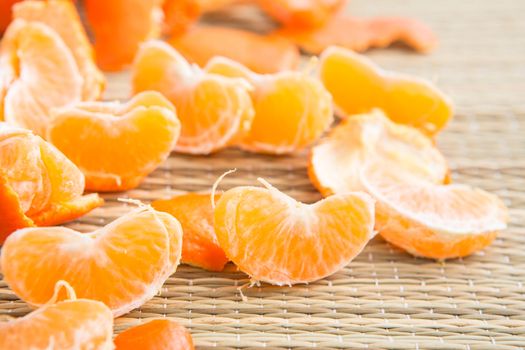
[[385, 299]]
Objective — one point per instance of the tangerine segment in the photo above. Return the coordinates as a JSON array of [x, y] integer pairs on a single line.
[[123, 264], [115, 145], [336, 161], [199, 246], [429, 220], [157, 334], [62, 16], [214, 110], [40, 74], [302, 13], [361, 34], [202, 42], [67, 325], [12, 215], [357, 86], [276, 239], [119, 26], [61, 212], [292, 109]]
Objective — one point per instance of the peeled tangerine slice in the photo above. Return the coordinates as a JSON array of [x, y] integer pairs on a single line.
[[62, 17], [157, 334], [200, 246], [203, 42], [361, 34], [38, 184], [123, 264], [116, 145], [358, 85], [292, 109], [335, 162], [214, 110], [70, 324], [37, 73], [430, 220], [276, 239]]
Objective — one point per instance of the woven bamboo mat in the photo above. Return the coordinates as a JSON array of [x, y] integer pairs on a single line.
[[384, 298]]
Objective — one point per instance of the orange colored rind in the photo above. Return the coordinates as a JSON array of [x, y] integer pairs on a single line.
[[38, 73], [199, 246], [202, 42], [335, 162], [116, 145], [292, 109], [71, 324], [123, 264], [430, 220], [275, 239], [157, 334], [303, 13], [214, 110], [362, 34], [358, 85]]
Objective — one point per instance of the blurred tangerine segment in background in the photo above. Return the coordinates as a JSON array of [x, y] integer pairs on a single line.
[[358, 85], [214, 110], [302, 13], [38, 181], [119, 26], [195, 213], [62, 16], [123, 264], [292, 109], [260, 53], [116, 145], [38, 72], [362, 34], [157, 334]]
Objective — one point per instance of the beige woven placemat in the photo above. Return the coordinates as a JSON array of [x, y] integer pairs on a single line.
[[384, 298]]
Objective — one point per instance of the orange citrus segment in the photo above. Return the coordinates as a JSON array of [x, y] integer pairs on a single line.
[[292, 109], [61, 212], [199, 245], [302, 13], [12, 216], [361, 34], [157, 334], [115, 145], [213, 110], [357, 86], [202, 42], [119, 26], [66, 325], [62, 16], [335, 162], [273, 238], [40, 74], [123, 264], [429, 220]]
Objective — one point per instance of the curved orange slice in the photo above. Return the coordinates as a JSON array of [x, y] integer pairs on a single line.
[[429, 220], [361, 34], [203, 42], [199, 246], [116, 145], [213, 110], [62, 16], [335, 162], [39, 185], [67, 325], [119, 26], [275, 239], [39, 73], [357, 86], [122, 264], [157, 334], [302, 13], [292, 109]]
